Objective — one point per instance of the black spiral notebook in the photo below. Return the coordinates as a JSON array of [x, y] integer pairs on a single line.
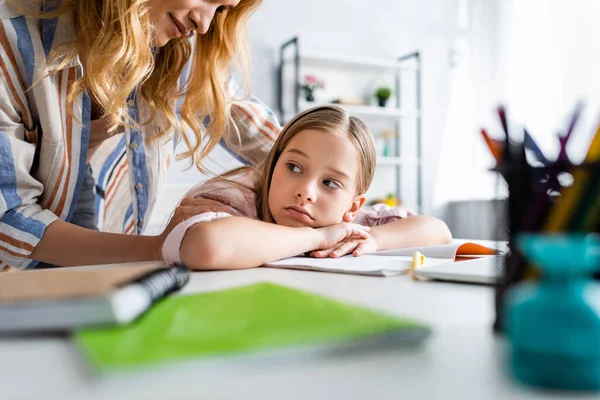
[[63, 299]]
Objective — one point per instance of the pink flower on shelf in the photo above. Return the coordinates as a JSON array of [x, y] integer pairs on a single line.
[[310, 80], [310, 84]]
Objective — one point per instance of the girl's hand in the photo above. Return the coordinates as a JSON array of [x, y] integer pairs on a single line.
[[334, 234], [354, 245]]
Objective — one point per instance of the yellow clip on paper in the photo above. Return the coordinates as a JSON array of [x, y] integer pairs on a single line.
[[418, 260]]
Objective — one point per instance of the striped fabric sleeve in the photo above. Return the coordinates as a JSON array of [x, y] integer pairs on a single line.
[[253, 129], [22, 220]]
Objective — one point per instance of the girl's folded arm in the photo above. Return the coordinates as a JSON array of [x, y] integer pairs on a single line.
[[239, 242], [415, 230]]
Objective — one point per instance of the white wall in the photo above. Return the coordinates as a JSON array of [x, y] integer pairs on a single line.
[[537, 57], [384, 28], [554, 62]]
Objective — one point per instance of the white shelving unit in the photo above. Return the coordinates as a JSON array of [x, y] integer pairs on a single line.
[[397, 161], [291, 56], [389, 112], [356, 61]]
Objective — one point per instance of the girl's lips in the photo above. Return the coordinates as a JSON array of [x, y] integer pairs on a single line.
[[176, 30], [298, 214]]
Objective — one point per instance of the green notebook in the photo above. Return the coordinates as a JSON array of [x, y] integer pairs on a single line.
[[241, 321]]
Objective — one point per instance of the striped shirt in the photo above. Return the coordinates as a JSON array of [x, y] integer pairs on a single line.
[[43, 149]]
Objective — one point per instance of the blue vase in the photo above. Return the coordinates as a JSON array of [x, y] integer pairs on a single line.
[[553, 325]]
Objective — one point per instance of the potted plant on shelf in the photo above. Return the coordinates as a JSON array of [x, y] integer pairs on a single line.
[[383, 94], [311, 83]]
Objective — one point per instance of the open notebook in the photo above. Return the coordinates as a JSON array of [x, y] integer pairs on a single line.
[[369, 264], [66, 298], [453, 251], [387, 263], [483, 270]]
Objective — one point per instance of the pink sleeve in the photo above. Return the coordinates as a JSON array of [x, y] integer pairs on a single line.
[[172, 244], [236, 195], [381, 214]]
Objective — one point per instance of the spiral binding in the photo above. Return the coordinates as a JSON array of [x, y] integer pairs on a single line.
[[163, 281]]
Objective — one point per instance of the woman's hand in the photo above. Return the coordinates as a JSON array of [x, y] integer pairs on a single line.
[[332, 235], [354, 245]]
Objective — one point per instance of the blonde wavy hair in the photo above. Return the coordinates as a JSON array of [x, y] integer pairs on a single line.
[[112, 41], [327, 119]]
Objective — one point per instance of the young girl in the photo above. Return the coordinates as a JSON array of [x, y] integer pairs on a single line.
[[306, 197]]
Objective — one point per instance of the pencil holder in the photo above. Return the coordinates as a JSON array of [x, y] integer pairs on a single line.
[[560, 197], [553, 323]]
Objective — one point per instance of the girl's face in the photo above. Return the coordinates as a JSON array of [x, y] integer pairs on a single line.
[[174, 18], [314, 181]]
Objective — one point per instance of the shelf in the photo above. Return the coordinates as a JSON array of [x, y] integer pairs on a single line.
[[396, 161], [356, 61], [389, 112], [359, 72]]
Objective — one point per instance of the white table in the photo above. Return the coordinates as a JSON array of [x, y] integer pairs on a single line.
[[462, 359]]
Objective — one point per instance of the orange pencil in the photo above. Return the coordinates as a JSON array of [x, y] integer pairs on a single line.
[[494, 146]]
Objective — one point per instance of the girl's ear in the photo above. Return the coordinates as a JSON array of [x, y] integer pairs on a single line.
[[356, 205]]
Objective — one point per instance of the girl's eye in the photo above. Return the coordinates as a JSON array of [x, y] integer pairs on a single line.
[[331, 184], [220, 9], [293, 167]]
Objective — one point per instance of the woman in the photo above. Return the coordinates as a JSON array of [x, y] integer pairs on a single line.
[[114, 84]]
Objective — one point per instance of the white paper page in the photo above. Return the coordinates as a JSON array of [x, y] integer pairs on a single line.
[[483, 270], [367, 264], [442, 251]]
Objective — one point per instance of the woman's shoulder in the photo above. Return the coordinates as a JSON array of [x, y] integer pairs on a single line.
[[35, 38], [238, 180], [7, 12]]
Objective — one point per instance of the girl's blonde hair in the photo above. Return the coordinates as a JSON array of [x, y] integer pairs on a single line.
[[329, 119], [113, 41]]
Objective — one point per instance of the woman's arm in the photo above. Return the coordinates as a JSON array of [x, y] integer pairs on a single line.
[[65, 244], [238, 242]]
